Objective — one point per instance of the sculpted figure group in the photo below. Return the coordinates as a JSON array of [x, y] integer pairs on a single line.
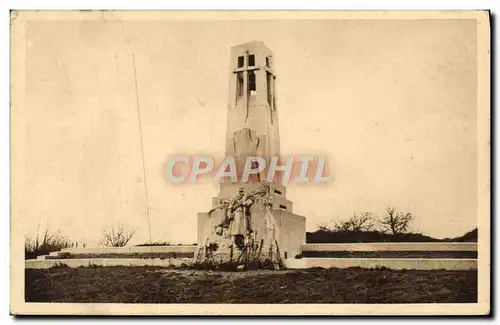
[[236, 218]]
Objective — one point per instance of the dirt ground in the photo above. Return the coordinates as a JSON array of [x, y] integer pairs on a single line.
[[160, 285]]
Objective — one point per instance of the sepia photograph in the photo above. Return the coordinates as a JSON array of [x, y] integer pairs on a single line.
[[250, 162]]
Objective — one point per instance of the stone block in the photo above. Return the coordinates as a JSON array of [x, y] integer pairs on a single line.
[[59, 254]]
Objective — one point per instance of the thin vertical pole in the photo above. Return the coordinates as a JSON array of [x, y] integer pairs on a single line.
[[142, 150]]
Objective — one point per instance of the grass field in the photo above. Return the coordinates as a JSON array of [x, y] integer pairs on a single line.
[[160, 285]]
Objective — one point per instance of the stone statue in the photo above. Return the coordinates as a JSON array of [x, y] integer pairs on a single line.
[[241, 221], [236, 217]]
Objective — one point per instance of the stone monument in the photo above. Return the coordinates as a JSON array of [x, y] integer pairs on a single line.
[[251, 222]]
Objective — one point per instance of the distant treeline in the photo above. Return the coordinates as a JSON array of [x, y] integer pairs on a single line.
[[338, 236]]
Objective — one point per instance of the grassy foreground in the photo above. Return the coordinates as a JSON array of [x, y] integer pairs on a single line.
[[160, 285]]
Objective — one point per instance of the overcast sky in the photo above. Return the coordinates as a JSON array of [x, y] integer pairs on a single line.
[[391, 104]]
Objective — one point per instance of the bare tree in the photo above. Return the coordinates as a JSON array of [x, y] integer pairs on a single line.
[[395, 222], [361, 222], [324, 227], [343, 225], [117, 236]]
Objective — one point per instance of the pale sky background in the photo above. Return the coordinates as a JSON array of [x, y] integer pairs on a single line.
[[392, 104]]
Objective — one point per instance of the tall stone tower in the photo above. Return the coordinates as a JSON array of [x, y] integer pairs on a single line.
[[256, 212], [252, 118]]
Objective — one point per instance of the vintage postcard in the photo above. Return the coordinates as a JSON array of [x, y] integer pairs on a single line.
[[250, 163]]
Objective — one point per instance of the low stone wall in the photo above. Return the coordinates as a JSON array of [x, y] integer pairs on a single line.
[[45, 264], [290, 262], [391, 263], [367, 247], [132, 249]]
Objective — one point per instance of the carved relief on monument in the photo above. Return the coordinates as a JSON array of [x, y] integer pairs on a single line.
[[244, 144]]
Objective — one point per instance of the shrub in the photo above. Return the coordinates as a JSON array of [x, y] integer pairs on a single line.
[[156, 243], [164, 243], [46, 243], [117, 236]]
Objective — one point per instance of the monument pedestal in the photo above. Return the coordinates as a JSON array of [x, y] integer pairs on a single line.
[[264, 234]]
